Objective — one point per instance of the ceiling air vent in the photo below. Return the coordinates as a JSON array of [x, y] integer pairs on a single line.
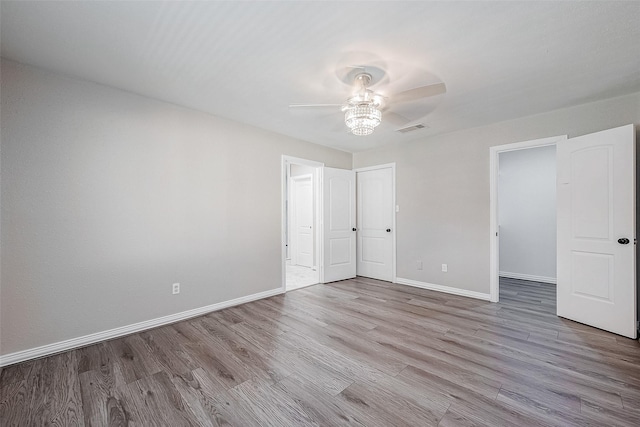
[[412, 128]]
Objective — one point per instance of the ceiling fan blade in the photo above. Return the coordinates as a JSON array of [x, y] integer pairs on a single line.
[[418, 93], [395, 119], [314, 105]]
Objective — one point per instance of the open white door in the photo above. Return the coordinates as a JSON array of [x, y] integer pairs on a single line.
[[302, 220], [376, 227], [339, 240], [596, 230]]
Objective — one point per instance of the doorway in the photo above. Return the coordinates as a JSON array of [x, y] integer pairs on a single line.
[[523, 215], [527, 214], [300, 222], [596, 222], [527, 227]]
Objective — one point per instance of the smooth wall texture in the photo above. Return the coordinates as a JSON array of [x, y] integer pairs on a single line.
[[108, 198], [442, 185], [527, 213]]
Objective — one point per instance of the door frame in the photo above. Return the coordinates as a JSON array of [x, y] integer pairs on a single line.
[[395, 210], [293, 220], [494, 169], [286, 162]]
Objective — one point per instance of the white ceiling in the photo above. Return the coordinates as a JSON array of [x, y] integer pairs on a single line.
[[248, 61]]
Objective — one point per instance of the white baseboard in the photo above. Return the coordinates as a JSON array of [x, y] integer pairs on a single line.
[[295, 288], [49, 349], [531, 277], [445, 289]]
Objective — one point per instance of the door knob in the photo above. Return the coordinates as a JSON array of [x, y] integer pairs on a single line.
[[623, 241], [353, 229], [388, 230]]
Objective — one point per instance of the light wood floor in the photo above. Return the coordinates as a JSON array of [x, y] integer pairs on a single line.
[[356, 352]]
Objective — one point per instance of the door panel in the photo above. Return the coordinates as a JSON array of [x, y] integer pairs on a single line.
[[596, 207], [375, 217], [303, 220], [339, 206]]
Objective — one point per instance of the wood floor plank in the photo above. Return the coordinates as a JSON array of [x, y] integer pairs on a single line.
[[454, 419], [468, 402], [16, 373], [414, 355], [56, 396], [133, 359], [100, 406], [154, 401], [94, 357], [258, 364], [272, 407], [15, 403], [378, 400], [227, 370], [562, 365], [357, 348], [604, 414], [169, 354], [199, 393], [322, 407], [508, 365], [356, 352]]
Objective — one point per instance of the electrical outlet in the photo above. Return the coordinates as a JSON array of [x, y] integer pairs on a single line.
[[444, 268], [176, 288], [419, 265]]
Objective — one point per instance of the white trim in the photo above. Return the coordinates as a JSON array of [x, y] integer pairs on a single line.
[[301, 286], [49, 349], [304, 162], [394, 277], [376, 167], [494, 168], [286, 161], [530, 277], [442, 288]]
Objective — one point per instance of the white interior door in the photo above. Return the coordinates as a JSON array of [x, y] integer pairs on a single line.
[[376, 213], [339, 240], [302, 221], [596, 230]]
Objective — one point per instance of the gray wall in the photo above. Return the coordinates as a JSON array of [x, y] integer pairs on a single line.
[[108, 198], [297, 170], [527, 213], [443, 188]]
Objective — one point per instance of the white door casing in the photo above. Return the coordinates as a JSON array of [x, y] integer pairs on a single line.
[[339, 221], [286, 162], [494, 167], [595, 208], [376, 227], [302, 220]]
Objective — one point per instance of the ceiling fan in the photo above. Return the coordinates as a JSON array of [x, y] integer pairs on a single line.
[[363, 110]]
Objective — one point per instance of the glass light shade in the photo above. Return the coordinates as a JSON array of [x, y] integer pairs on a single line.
[[362, 119]]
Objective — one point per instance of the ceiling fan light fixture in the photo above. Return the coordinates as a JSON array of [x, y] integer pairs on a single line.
[[361, 119]]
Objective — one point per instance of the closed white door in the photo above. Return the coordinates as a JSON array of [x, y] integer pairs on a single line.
[[376, 212], [302, 221], [596, 230], [339, 211]]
